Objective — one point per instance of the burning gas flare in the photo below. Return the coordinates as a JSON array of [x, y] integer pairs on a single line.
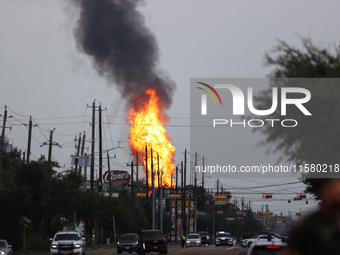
[[147, 130]]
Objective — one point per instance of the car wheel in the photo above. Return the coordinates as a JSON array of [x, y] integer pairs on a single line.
[[217, 245], [249, 244], [119, 252]]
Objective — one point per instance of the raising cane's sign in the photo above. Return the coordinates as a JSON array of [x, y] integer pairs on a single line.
[[116, 176]]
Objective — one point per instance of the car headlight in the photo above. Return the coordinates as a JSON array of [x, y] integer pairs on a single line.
[[77, 245], [54, 246], [198, 241], [207, 237], [188, 241], [118, 242]]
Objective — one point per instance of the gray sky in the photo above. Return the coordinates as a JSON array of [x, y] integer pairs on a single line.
[[43, 75]]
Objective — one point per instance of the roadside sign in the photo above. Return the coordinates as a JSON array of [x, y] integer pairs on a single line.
[[267, 214], [143, 195], [175, 196]]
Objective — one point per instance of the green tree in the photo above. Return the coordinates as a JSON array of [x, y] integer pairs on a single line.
[[314, 140]]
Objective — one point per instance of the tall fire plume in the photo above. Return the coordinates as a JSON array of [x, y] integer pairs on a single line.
[[148, 131], [124, 51]]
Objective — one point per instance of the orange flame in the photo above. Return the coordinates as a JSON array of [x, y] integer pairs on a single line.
[[147, 130]]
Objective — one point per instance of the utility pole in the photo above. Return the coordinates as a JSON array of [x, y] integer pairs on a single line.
[[218, 183], [2, 138], [213, 230], [242, 211], [100, 149], [176, 204], [82, 148], [92, 147], [132, 191], [110, 174], [137, 171], [29, 140], [50, 144], [146, 173], [183, 198], [160, 195], [78, 150], [203, 187], [161, 205], [195, 172], [185, 183], [153, 195]]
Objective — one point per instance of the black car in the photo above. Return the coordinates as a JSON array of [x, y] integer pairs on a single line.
[[205, 239], [127, 242]]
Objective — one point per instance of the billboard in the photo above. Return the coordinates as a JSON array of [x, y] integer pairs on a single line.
[[116, 176]]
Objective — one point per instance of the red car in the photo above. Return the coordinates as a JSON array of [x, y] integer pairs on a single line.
[[152, 241]]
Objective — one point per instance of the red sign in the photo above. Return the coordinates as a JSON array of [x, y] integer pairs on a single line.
[[116, 176]]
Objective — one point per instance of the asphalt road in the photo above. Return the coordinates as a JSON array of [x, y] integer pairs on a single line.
[[177, 249]]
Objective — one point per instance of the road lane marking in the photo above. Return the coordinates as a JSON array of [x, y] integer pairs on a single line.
[[188, 249]]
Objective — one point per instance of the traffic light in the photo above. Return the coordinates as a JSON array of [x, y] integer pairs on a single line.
[[288, 200], [267, 196], [301, 196], [306, 201]]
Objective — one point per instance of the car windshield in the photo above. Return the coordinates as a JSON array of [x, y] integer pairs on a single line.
[[61, 237], [128, 238], [267, 250], [2, 244], [224, 235], [193, 236], [153, 234]]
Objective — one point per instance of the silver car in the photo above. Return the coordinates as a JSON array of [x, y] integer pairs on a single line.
[[193, 240], [5, 249]]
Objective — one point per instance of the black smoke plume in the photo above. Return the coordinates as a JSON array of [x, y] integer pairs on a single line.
[[122, 49]]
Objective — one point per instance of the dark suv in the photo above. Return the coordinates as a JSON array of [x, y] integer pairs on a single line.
[[127, 242], [152, 241]]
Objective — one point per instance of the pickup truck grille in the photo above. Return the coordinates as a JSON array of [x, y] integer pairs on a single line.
[[155, 242], [65, 246]]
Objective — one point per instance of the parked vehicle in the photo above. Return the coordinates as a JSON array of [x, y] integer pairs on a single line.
[[283, 238], [5, 249], [258, 239], [152, 241], [67, 242], [127, 242], [193, 239], [205, 239]]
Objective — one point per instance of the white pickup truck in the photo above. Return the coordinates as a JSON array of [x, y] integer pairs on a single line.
[[67, 242]]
